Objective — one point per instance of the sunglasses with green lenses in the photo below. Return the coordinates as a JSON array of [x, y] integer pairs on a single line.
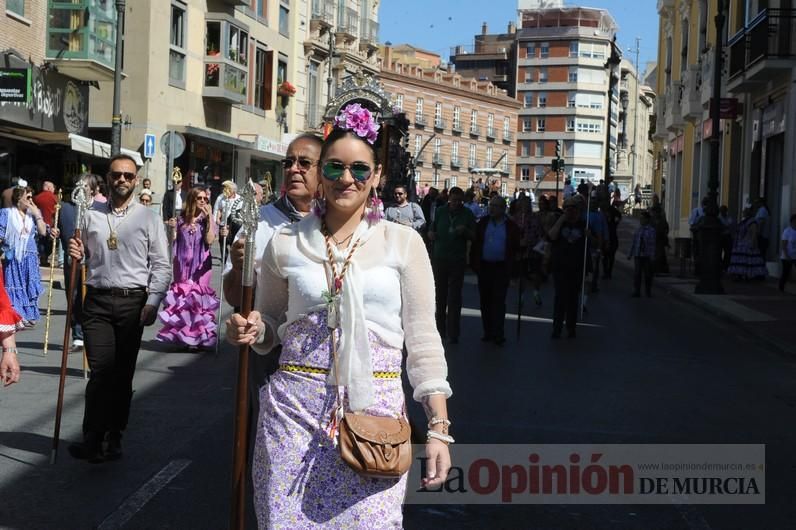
[[334, 171]]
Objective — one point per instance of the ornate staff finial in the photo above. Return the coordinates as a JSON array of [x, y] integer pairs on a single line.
[[250, 215]]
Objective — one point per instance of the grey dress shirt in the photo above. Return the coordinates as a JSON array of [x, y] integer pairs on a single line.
[[141, 258]]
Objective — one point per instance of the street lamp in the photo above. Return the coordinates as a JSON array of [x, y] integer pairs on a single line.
[[116, 120], [709, 228]]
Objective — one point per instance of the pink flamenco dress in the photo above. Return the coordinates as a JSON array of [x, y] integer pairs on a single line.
[[10, 321], [189, 313]]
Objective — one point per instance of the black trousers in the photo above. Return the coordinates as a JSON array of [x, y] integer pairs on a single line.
[[493, 284], [448, 280], [595, 258], [112, 334], [609, 258], [643, 268], [786, 268], [565, 302], [77, 297]]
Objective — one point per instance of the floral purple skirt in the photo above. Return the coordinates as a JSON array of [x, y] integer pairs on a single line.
[[300, 480], [189, 315]]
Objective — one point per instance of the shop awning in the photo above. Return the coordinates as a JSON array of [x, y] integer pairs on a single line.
[[100, 149]]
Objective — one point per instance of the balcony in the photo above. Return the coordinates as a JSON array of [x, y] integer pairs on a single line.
[[347, 24], [322, 16], [436, 160], [81, 38], [439, 124], [706, 76], [490, 133], [456, 128], [455, 163], [764, 49], [369, 33], [420, 120], [690, 101], [507, 137], [419, 159], [475, 131], [246, 3], [226, 59], [674, 117], [660, 133]]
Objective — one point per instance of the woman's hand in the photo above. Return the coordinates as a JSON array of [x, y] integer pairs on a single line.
[[172, 222], [9, 368], [438, 464], [242, 331]]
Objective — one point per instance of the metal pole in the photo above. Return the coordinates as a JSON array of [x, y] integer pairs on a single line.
[[330, 78], [710, 227], [635, 114], [116, 120]]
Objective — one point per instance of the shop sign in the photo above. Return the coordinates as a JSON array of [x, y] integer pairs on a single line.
[[774, 119], [15, 85], [57, 103], [274, 147]]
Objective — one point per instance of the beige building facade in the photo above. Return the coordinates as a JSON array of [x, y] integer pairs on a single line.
[[460, 129], [635, 157]]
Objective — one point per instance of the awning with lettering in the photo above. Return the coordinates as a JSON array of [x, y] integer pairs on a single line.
[[99, 149]]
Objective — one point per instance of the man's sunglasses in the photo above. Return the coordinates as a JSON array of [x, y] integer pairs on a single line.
[[126, 174], [303, 163], [334, 171]]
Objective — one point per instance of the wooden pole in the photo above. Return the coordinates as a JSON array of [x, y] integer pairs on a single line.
[[52, 272]]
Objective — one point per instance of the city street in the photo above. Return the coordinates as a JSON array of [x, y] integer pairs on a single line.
[[640, 371]]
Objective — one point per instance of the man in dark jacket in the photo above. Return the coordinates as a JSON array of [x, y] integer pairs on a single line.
[[497, 240]]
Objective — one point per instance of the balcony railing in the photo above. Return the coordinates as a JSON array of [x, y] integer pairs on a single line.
[[419, 159], [436, 159], [769, 36], [369, 31], [507, 137], [439, 124], [322, 13], [420, 120], [455, 163], [348, 22], [674, 117], [81, 38], [457, 127], [475, 130], [690, 100], [490, 133]]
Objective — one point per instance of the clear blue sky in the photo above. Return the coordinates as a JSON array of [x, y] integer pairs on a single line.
[[436, 25]]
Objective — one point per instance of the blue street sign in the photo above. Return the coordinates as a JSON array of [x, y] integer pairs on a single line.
[[149, 145]]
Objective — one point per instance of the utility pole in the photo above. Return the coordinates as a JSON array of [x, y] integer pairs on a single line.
[[634, 149], [330, 77], [116, 120]]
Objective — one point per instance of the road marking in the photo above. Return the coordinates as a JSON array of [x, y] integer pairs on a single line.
[[133, 504], [692, 517], [467, 312]]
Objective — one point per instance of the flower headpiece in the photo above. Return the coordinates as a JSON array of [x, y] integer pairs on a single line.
[[359, 120]]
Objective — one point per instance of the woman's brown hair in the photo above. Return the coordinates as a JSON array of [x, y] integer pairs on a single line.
[[190, 207]]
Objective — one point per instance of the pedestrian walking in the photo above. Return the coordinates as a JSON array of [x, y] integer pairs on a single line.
[[405, 212], [189, 312], [66, 229], [128, 274], [454, 226], [492, 257], [727, 231], [18, 228], [341, 272], [568, 236], [599, 230], [613, 216], [642, 251], [569, 189], [746, 262], [46, 202], [145, 197], [763, 219], [787, 252], [637, 195], [658, 221], [227, 215]]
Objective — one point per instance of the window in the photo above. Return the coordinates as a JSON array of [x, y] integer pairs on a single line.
[[455, 151], [437, 146], [506, 126], [418, 143], [16, 6], [573, 74], [284, 18], [528, 76], [540, 125], [525, 148], [525, 173], [177, 45], [573, 48], [588, 126], [473, 156], [596, 76], [539, 149], [399, 102], [572, 100], [544, 50], [528, 100], [474, 120], [261, 70], [438, 114], [490, 125], [590, 101], [570, 124], [227, 60], [261, 8], [526, 125], [457, 118], [539, 173], [313, 106], [419, 108], [591, 50], [541, 100], [505, 161], [489, 156], [543, 74], [530, 49]]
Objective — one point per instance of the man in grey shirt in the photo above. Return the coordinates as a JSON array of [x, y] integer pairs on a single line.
[[405, 212], [128, 274]]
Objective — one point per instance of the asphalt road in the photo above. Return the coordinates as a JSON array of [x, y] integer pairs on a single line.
[[640, 371]]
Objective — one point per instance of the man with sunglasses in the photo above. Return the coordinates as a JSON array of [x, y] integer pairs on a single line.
[[128, 274], [405, 212]]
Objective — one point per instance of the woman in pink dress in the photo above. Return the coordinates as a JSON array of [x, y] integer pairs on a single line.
[[189, 311]]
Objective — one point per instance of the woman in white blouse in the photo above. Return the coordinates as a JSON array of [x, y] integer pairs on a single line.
[[382, 277]]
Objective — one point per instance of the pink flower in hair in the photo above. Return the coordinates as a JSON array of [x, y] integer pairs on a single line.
[[359, 120]]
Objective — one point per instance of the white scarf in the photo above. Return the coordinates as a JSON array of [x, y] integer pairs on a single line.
[[18, 231], [354, 358]]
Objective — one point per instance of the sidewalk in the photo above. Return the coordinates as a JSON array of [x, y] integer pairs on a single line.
[[757, 307]]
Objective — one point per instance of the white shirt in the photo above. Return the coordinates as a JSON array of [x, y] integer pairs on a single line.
[[271, 221], [789, 236], [696, 214], [388, 289]]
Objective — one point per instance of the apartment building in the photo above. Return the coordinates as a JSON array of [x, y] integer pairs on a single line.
[[340, 39], [461, 129], [490, 58], [563, 87]]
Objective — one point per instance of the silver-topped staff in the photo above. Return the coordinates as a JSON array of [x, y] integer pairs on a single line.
[[80, 198], [250, 216]]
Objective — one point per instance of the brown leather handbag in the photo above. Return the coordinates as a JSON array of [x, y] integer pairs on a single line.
[[373, 446]]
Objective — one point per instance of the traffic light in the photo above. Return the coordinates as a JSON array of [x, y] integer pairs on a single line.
[[558, 148], [555, 164], [561, 165]]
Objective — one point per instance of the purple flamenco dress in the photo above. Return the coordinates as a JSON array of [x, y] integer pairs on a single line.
[[189, 313]]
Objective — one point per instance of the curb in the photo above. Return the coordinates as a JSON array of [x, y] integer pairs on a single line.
[[779, 346]]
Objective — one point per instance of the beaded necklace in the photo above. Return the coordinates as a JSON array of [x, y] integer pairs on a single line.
[[332, 296]]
